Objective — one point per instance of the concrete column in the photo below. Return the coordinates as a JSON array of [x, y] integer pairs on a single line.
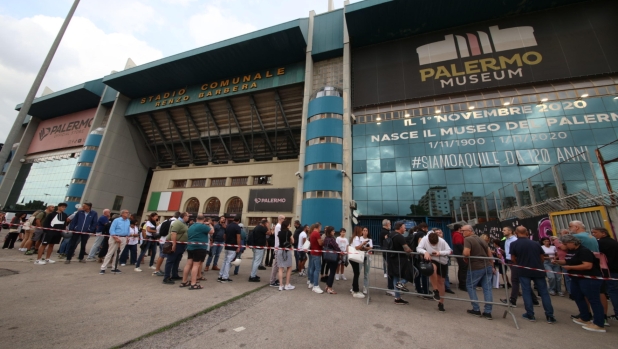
[[346, 194], [15, 165], [303, 138]]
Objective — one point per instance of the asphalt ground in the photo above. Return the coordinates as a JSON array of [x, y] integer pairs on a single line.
[[72, 306]]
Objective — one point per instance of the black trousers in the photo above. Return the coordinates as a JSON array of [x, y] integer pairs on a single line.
[[9, 242], [462, 273], [323, 269], [356, 271], [104, 247], [515, 284], [77, 239], [332, 268]]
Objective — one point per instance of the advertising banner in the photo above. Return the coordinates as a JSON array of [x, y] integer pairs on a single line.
[[538, 227], [271, 200], [65, 131], [572, 41]]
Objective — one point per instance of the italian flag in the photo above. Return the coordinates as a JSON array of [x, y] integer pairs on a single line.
[[165, 201]]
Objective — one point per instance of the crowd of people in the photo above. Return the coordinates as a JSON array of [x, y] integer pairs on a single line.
[[421, 255]]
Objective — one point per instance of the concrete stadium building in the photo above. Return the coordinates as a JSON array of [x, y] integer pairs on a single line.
[[391, 108]]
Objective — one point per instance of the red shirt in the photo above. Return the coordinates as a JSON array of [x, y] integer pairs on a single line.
[[458, 239], [315, 245]]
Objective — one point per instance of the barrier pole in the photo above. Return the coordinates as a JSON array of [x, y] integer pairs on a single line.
[[509, 308]]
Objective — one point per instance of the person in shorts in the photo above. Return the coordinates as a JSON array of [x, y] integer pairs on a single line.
[[436, 250], [37, 235], [198, 236], [53, 226]]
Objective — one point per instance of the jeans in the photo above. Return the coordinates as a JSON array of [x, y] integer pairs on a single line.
[[582, 289], [447, 283], [238, 267], [64, 246], [356, 271], [385, 262], [515, 283], [314, 270], [95, 246], [366, 270], [462, 272], [152, 246], [129, 249], [296, 258], [555, 280], [541, 285], [173, 260], [567, 280], [612, 290], [227, 263], [258, 254], [215, 251], [76, 239], [397, 279], [484, 277]]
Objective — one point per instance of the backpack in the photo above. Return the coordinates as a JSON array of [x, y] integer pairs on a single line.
[[165, 227], [387, 244]]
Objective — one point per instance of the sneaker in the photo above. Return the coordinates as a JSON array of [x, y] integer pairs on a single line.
[[343, 277], [581, 322], [474, 312], [551, 320], [385, 276], [606, 322], [62, 256], [116, 271], [261, 267], [168, 282], [575, 316], [449, 291], [50, 261], [67, 262], [310, 286], [40, 262], [364, 290], [102, 272], [530, 318], [308, 282], [552, 293], [436, 295], [487, 316], [28, 253], [390, 293], [90, 259], [594, 328], [561, 294], [137, 270], [358, 295], [275, 284], [511, 301], [441, 307], [337, 277], [613, 317], [254, 279], [158, 273], [317, 290], [82, 261], [400, 301], [155, 268], [289, 287], [401, 287], [479, 288], [280, 288], [123, 265]]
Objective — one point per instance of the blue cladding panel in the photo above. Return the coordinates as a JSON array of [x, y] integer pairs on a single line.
[[81, 172], [327, 152], [323, 180], [325, 211], [328, 35], [325, 127], [76, 190], [93, 140], [71, 207], [327, 104], [87, 156]]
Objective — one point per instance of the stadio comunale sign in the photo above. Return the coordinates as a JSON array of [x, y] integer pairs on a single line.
[[213, 89]]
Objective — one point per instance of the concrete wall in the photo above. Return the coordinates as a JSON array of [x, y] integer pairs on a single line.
[[282, 172]]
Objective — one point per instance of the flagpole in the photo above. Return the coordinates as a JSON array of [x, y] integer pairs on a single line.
[[23, 112]]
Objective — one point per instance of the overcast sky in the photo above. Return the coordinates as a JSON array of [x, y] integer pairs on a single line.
[[104, 33]]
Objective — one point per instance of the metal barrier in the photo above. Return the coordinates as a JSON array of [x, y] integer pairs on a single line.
[[377, 262]]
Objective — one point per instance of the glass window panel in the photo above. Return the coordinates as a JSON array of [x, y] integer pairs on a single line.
[[359, 180], [404, 178], [373, 166], [374, 179], [390, 207], [373, 153], [387, 165], [387, 152], [454, 176], [420, 177]]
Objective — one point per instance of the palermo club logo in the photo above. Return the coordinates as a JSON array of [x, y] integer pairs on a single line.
[[269, 200], [475, 45], [44, 133]]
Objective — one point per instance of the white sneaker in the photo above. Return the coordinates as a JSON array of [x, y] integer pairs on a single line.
[[317, 290], [22, 249], [352, 290], [310, 286], [337, 277], [280, 288], [40, 262], [137, 270], [385, 275], [343, 277], [50, 261], [390, 293], [289, 287], [123, 265], [365, 290], [308, 282], [154, 268], [90, 259], [358, 295]]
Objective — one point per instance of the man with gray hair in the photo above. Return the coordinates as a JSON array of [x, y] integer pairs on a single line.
[[578, 229], [479, 271], [118, 233]]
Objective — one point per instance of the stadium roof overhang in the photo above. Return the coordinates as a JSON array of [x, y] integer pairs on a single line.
[[73, 99], [374, 21], [278, 45]]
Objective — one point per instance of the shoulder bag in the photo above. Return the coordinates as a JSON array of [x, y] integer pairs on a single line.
[[355, 255], [329, 254], [306, 244]]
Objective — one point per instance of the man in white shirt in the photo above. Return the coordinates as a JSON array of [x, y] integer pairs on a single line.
[[273, 275]]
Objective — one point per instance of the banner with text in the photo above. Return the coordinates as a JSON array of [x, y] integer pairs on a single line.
[[271, 200]]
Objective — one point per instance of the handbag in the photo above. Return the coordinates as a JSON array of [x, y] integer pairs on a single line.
[[330, 255], [306, 245], [426, 267], [355, 255], [167, 248]]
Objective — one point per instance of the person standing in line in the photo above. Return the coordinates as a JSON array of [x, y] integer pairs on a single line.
[[148, 244], [447, 284], [198, 236], [581, 262], [101, 222], [84, 221], [57, 222], [163, 231], [609, 247], [436, 250], [316, 243], [528, 253], [343, 247], [510, 238], [360, 245], [11, 238], [274, 282], [243, 243], [578, 229], [270, 251], [421, 282], [218, 238], [561, 252], [384, 233], [398, 262], [297, 230], [259, 241], [284, 257], [367, 244], [178, 237], [37, 236], [29, 230], [232, 248], [302, 255], [552, 269], [330, 243], [462, 266], [480, 270], [118, 235], [131, 247]]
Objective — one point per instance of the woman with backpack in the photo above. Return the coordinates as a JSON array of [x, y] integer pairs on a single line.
[[284, 255], [436, 250]]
